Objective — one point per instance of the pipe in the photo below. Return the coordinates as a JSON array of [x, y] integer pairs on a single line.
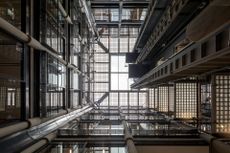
[[40, 143], [9, 28], [130, 146], [5, 131], [19, 127], [26, 137], [65, 15], [34, 121], [30, 41], [62, 112], [13, 129]]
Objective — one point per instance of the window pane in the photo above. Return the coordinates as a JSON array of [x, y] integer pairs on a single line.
[[113, 45], [114, 63], [123, 67], [123, 82], [114, 81]]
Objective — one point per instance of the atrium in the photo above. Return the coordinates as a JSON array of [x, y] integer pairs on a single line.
[[115, 76]]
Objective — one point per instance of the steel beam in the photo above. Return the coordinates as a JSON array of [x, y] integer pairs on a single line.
[[195, 64], [115, 4], [139, 140], [170, 23], [155, 10]]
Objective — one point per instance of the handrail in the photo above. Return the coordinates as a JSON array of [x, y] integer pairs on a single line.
[[26, 137]]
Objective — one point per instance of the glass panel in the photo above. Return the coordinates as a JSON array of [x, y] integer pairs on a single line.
[[114, 82], [113, 99], [143, 99], [114, 63], [123, 67], [101, 87], [114, 14], [11, 12], [114, 45], [52, 28], [101, 77], [123, 82], [56, 86], [106, 14], [10, 78], [123, 99], [133, 14], [133, 99], [101, 67], [124, 44]]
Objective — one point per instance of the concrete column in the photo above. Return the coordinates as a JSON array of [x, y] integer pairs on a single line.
[[129, 139]]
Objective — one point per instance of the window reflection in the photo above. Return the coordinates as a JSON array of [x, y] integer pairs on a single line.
[[10, 78], [52, 28], [74, 89], [134, 14], [106, 14], [56, 87], [11, 11]]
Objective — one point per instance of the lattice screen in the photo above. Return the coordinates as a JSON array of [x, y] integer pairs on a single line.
[[222, 92], [163, 98], [186, 100], [153, 98]]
